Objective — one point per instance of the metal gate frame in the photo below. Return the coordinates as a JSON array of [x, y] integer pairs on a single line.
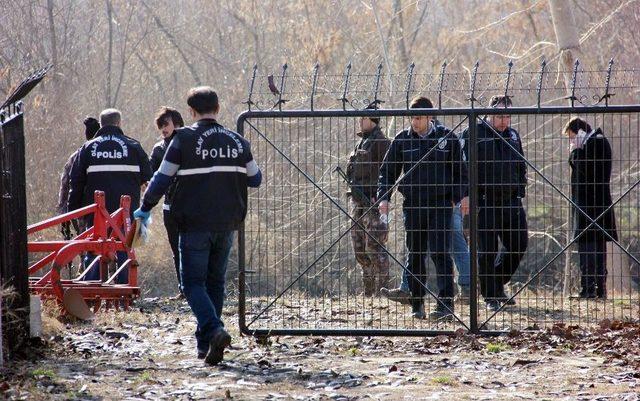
[[468, 114], [13, 215]]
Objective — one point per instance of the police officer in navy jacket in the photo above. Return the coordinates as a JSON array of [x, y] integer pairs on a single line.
[[213, 167], [111, 162], [502, 182], [434, 179]]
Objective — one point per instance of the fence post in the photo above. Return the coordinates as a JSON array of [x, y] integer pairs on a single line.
[[241, 255], [473, 220]]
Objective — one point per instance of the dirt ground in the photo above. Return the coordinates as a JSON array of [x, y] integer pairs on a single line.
[[149, 354]]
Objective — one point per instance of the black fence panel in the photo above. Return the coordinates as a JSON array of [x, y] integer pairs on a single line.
[[13, 231], [298, 271]]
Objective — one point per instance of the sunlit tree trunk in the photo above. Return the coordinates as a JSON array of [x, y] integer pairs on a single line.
[[568, 43]]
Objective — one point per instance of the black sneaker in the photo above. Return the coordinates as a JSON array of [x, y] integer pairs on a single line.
[[441, 312], [220, 340], [493, 304], [417, 309]]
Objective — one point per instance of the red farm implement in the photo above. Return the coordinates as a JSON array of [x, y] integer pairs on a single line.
[[102, 241]]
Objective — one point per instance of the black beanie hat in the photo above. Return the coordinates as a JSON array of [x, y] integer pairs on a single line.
[[91, 126], [376, 120]]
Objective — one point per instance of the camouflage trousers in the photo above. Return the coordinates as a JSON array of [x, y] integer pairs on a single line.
[[373, 259]]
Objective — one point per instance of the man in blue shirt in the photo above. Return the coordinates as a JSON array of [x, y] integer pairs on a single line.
[[213, 167]]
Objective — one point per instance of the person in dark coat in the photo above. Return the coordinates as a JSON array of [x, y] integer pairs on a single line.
[[502, 184], [167, 121], [590, 161]]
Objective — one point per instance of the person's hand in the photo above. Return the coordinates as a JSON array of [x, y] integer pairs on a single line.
[[143, 216], [383, 207], [464, 206]]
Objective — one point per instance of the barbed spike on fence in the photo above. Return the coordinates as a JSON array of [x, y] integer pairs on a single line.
[[376, 87], [409, 77], [506, 86], [607, 95], [540, 78], [249, 101], [347, 74], [315, 81], [574, 79], [441, 84], [472, 84], [282, 81]]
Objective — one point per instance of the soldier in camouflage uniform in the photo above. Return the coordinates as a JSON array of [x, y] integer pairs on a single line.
[[362, 173]]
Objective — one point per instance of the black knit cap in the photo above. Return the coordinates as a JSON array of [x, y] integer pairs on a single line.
[[376, 120], [91, 126]]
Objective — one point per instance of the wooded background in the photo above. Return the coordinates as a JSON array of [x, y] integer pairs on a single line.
[[140, 55]]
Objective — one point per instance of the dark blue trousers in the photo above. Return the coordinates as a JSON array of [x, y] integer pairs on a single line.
[[503, 220], [428, 231]]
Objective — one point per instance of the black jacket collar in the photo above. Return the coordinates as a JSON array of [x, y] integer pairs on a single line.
[[109, 130], [206, 122]]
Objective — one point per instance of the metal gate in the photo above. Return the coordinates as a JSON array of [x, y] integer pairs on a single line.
[[14, 278], [297, 270]]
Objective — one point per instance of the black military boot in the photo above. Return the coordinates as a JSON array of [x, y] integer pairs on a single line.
[[504, 298], [443, 311]]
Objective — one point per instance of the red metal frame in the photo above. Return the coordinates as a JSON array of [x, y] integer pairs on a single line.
[[104, 239]]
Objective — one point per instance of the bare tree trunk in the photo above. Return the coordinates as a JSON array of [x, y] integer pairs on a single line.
[[564, 25], [52, 34], [402, 49], [109, 51]]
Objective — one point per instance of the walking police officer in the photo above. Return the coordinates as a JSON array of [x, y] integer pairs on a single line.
[[434, 180], [111, 162], [362, 172], [502, 181], [213, 167]]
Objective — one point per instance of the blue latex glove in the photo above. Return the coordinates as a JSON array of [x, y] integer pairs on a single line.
[[143, 216]]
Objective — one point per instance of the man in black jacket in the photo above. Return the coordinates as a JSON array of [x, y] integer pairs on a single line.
[[590, 161], [213, 167], [434, 179], [111, 162], [167, 121], [502, 181]]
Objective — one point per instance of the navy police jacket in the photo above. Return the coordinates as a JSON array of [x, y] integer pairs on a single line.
[[213, 167], [111, 162], [440, 174], [502, 170]]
